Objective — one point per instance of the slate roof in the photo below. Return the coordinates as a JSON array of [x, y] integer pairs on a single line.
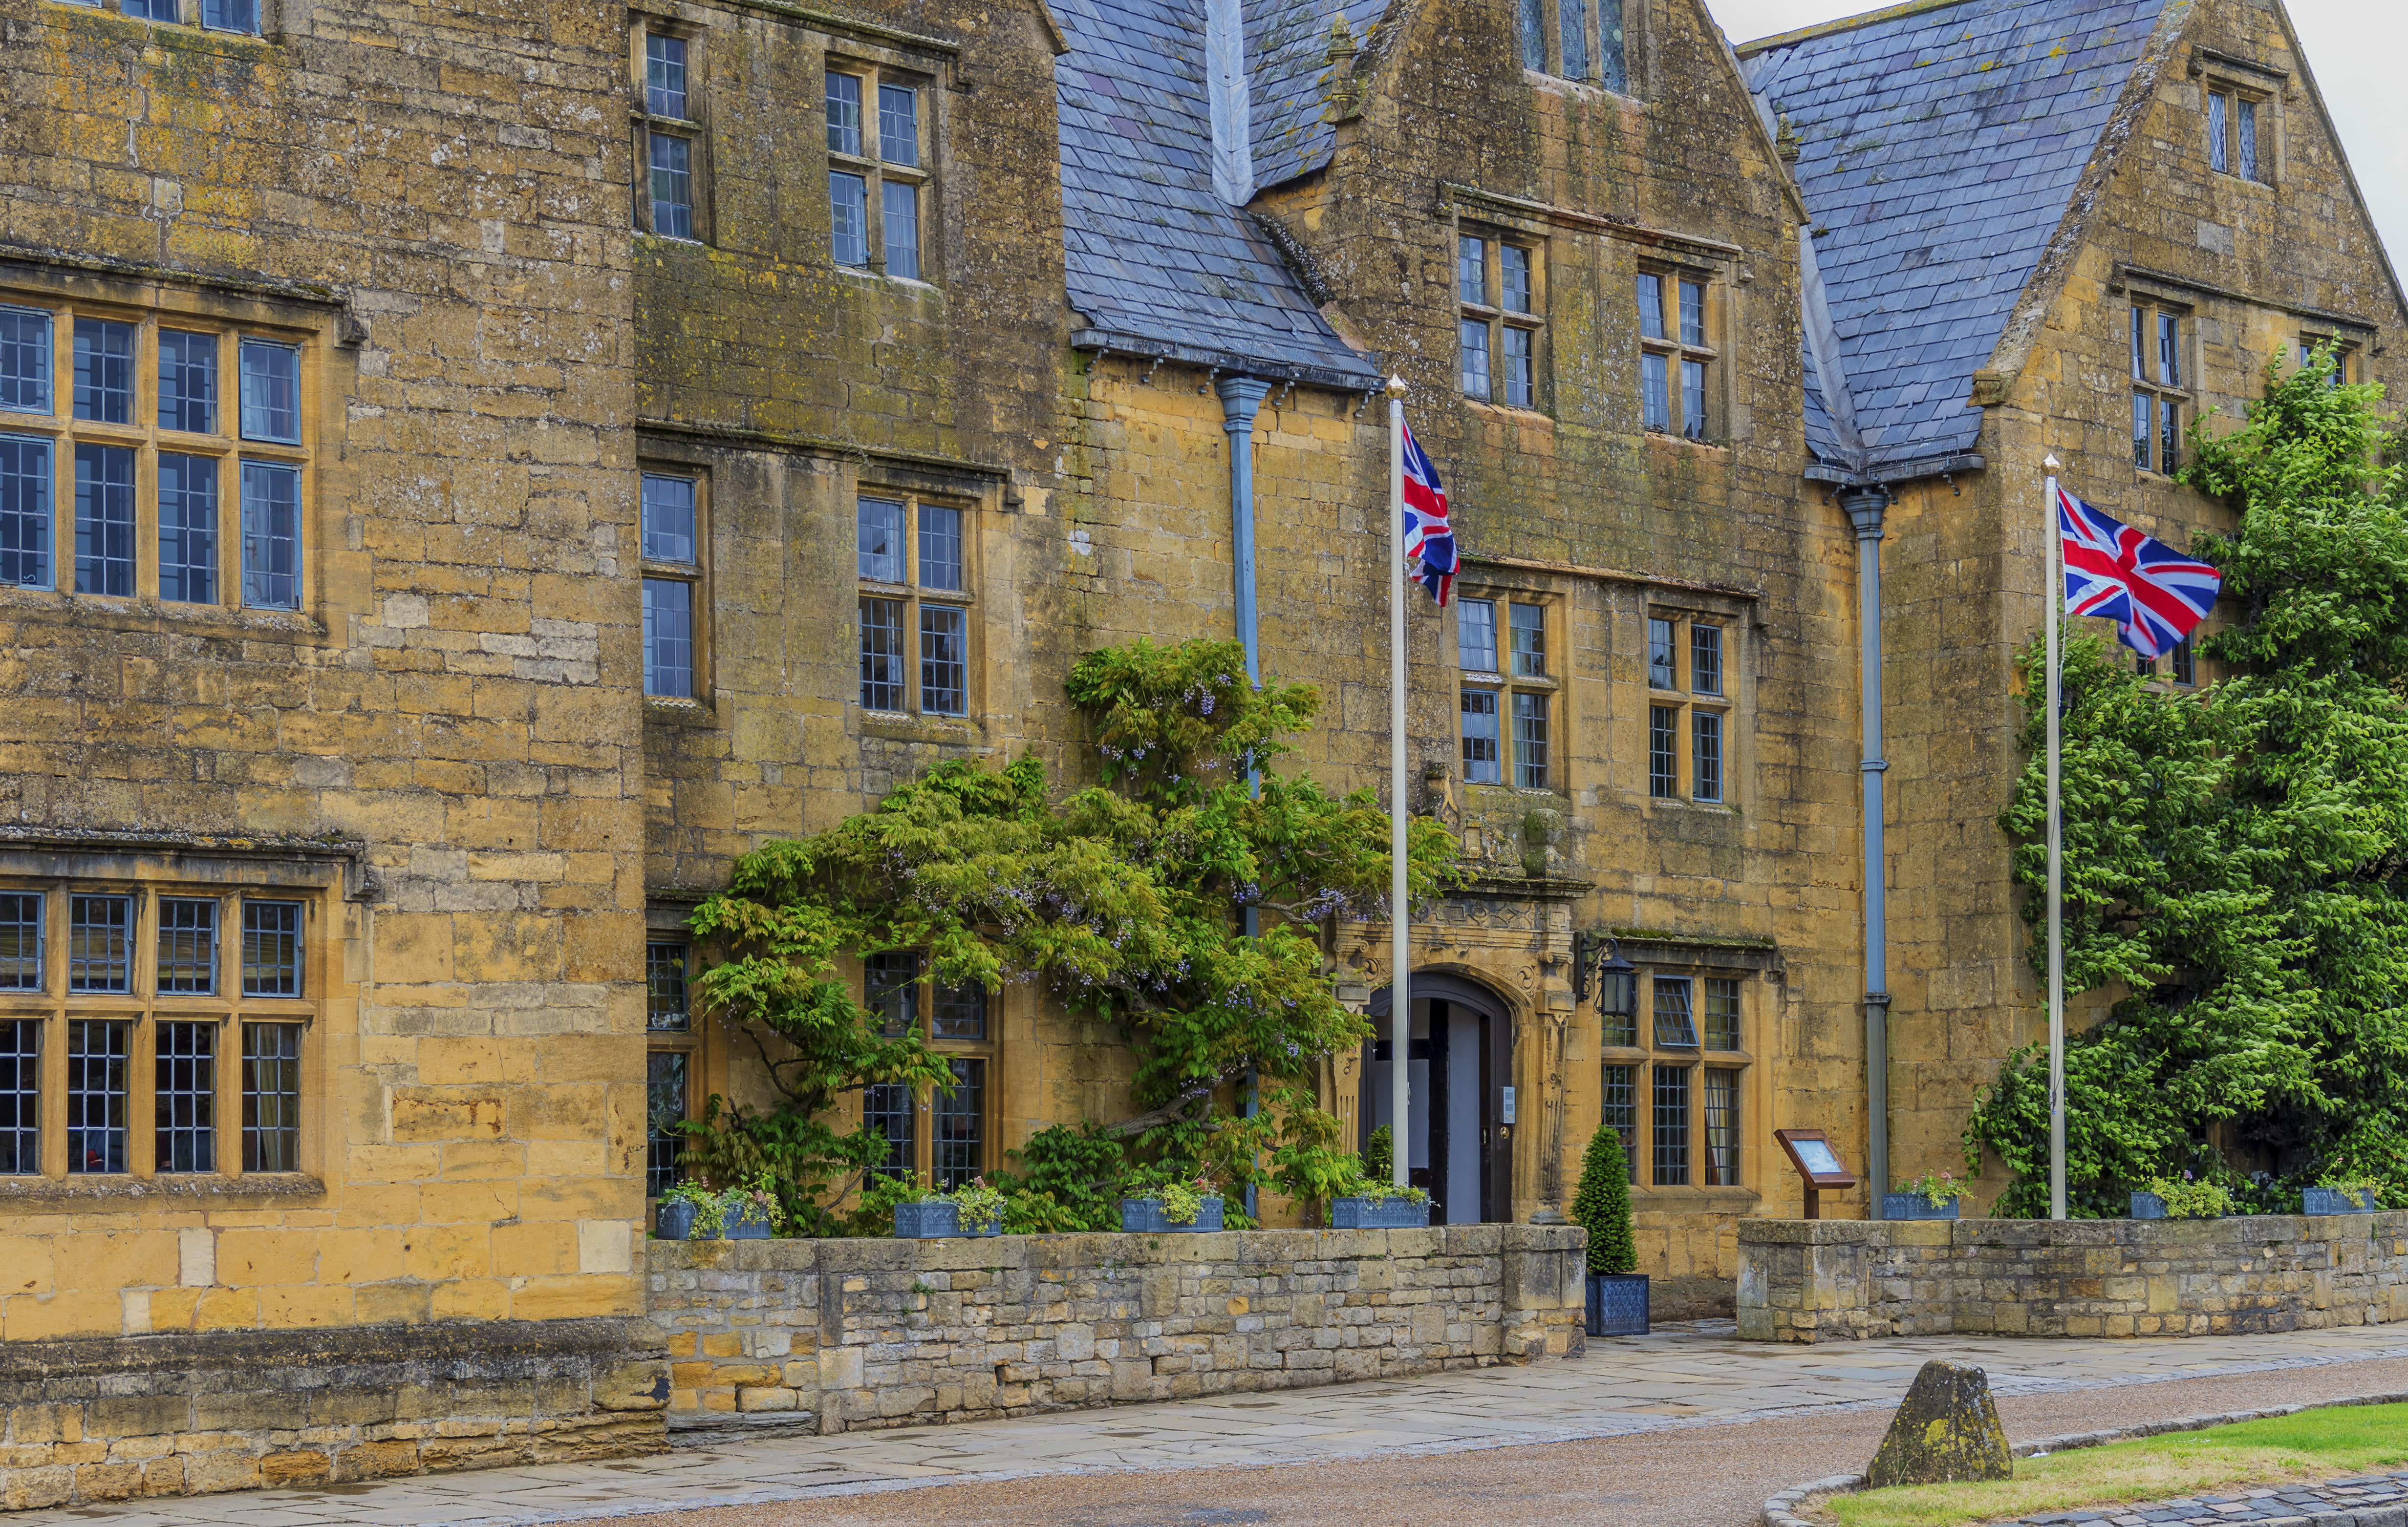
[[1940, 149], [1287, 53], [1154, 256]]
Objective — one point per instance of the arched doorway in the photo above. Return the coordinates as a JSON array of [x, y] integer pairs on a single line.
[[1458, 1139]]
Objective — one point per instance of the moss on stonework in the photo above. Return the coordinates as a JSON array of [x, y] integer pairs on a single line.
[[1946, 1430]]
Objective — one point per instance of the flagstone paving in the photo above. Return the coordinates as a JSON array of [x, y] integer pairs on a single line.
[[1683, 1377]]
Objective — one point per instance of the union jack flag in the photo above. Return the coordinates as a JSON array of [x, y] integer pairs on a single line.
[[2155, 593], [1429, 540]]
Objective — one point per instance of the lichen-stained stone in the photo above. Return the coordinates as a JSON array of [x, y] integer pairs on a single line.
[[1946, 1430]]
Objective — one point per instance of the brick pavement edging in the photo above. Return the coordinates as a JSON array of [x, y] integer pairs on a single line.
[[1780, 1510], [843, 1334]]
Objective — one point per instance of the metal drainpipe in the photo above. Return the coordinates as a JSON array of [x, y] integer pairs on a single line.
[[1865, 508], [1242, 397]]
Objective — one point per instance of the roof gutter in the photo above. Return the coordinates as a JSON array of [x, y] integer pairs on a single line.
[[1230, 363]]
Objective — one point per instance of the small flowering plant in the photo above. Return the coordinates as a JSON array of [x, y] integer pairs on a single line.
[[982, 1207], [1933, 1188]]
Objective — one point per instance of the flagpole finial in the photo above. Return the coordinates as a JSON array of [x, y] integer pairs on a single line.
[[1396, 387], [2052, 464]]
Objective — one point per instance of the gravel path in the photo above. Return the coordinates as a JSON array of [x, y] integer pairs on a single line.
[[1683, 1477]]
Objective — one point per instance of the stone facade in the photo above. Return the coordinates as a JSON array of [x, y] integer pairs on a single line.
[[2249, 268], [1808, 1280], [386, 326], [839, 1336]]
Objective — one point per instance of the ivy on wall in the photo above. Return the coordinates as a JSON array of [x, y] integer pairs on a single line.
[[2236, 857]]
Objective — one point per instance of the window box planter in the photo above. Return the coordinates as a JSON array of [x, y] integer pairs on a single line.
[[2147, 1206], [2334, 1201], [1143, 1217], [933, 1220], [1378, 1214], [1916, 1206], [1617, 1304], [675, 1220], [746, 1222]]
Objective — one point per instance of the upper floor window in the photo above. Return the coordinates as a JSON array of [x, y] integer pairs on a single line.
[[1506, 695], [2342, 353], [914, 605], [878, 182], [1697, 714], [182, 1006], [2159, 390], [672, 559], [669, 136], [1498, 328], [1675, 359], [136, 478], [2232, 122], [212, 15], [1574, 39]]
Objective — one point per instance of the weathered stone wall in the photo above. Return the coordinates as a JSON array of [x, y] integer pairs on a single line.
[[831, 1335], [193, 1415], [1807, 1280], [432, 206], [2251, 265]]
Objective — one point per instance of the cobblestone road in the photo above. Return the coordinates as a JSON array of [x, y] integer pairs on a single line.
[[1672, 1397]]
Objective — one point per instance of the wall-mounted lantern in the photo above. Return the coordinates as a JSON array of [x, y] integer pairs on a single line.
[[1597, 962]]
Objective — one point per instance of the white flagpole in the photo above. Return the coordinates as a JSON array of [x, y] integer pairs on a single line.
[[2052, 604], [1400, 1002]]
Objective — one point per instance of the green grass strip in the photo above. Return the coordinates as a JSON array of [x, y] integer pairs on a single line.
[[2335, 1442]]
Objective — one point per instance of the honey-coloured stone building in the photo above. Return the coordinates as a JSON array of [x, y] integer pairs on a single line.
[[467, 475]]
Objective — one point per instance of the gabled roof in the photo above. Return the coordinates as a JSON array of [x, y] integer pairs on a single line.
[[1155, 261], [1938, 149], [1287, 53]]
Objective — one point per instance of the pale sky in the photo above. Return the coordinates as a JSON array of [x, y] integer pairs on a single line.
[[2354, 48]]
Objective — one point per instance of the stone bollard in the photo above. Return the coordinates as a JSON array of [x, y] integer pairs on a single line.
[[1945, 1431]]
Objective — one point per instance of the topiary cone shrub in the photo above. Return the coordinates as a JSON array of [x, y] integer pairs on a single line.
[[1602, 1205]]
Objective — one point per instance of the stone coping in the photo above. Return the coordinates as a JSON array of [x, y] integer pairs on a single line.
[[1781, 1510], [2264, 1227], [1096, 1250]]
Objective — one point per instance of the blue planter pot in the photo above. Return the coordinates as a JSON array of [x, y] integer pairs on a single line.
[[931, 1221], [675, 1220], [2334, 1201], [1617, 1304], [1916, 1206], [1143, 1217], [1378, 1214], [2148, 1206], [747, 1223]]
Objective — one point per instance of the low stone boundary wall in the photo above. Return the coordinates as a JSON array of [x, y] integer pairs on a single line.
[[1808, 1280], [113, 1418], [830, 1335]]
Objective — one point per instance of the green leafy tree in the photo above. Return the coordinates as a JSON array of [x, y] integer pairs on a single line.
[[1601, 1204], [2236, 860], [1123, 900]]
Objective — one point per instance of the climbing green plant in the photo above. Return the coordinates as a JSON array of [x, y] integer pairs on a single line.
[[2236, 859], [1123, 900]]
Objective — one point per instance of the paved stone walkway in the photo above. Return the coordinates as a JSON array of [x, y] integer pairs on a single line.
[[2291, 1504], [1679, 1377]]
